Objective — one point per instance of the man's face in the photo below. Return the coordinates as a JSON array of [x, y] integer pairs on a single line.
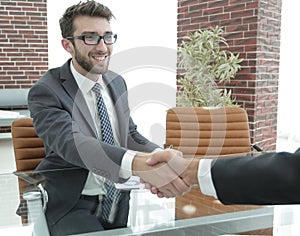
[[91, 60]]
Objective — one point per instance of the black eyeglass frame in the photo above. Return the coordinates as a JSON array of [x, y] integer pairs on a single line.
[[97, 37]]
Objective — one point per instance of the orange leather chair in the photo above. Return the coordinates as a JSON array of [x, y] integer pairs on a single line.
[[28, 147], [214, 132], [198, 131], [29, 151]]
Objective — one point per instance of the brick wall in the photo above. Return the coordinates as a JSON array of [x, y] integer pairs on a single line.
[[252, 28], [23, 42]]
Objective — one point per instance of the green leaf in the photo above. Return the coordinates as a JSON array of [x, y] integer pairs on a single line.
[[204, 63]]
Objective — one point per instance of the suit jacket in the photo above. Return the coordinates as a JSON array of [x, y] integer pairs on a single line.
[[62, 120], [268, 179]]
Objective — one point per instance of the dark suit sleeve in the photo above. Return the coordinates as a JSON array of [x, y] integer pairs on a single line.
[[138, 142], [271, 178]]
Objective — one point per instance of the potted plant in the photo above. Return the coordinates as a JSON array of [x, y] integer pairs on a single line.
[[205, 62]]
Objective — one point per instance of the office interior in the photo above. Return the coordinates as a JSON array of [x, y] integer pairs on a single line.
[[144, 33]]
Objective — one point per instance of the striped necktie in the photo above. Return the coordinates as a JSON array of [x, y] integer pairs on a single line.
[[112, 194]]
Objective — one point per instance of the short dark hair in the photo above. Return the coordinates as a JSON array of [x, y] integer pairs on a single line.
[[88, 8]]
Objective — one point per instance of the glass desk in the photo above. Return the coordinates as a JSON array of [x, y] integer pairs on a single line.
[[149, 215]]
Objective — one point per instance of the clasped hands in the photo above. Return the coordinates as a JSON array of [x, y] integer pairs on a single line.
[[166, 173]]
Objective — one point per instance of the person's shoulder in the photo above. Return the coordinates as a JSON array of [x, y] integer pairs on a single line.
[[50, 75], [56, 73], [113, 75]]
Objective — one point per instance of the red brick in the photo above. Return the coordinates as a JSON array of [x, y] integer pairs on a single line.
[[212, 11], [24, 48]]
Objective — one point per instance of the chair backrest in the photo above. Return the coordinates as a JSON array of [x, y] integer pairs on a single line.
[[28, 147], [29, 151], [198, 131]]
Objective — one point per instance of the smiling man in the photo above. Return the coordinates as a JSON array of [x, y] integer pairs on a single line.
[[88, 60], [80, 111]]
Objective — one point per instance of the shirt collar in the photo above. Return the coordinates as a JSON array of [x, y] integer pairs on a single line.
[[84, 83]]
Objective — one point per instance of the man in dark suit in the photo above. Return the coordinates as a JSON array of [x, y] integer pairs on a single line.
[[266, 179], [66, 117]]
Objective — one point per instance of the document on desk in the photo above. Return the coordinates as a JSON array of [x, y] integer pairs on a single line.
[[9, 114], [132, 183]]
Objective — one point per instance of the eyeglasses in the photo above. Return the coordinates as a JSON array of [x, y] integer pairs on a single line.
[[91, 39]]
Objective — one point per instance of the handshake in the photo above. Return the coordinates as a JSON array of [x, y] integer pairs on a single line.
[[166, 173]]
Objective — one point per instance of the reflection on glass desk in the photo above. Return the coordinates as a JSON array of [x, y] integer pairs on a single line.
[[149, 215]]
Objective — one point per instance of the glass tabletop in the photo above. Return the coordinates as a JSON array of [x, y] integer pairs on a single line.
[[22, 210]]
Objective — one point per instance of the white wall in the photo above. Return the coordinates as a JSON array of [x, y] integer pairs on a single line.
[[145, 55], [288, 138], [289, 80]]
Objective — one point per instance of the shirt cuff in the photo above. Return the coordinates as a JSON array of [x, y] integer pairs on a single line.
[[126, 164], [204, 177]]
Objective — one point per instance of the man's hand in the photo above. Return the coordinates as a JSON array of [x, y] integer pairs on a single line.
[[160, 175], [187, 169]]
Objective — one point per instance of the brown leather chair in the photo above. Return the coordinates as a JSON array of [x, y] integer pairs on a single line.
[[28, 147], [197, 132], [29, 151]]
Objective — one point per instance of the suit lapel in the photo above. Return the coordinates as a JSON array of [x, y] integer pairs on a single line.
[[80, 108]]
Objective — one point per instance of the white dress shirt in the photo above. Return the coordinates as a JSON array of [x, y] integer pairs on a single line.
[[94, 184], [205, 179]]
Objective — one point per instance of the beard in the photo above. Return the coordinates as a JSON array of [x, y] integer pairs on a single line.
[[89, 66]]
